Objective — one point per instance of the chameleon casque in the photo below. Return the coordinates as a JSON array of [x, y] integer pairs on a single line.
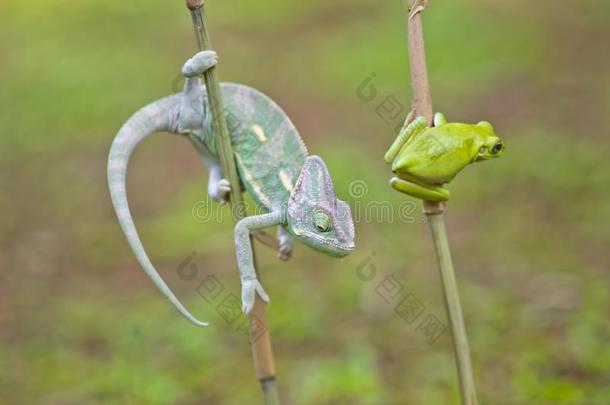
[[290, 188]]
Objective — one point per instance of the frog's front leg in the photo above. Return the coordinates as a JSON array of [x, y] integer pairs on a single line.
[[439, 119], [250, 286], [418, 189], [417, 125]]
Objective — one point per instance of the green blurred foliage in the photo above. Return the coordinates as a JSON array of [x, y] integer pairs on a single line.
[[79, 323]]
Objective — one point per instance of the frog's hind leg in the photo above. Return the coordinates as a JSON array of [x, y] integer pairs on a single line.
[[419, 190], [405, 133]]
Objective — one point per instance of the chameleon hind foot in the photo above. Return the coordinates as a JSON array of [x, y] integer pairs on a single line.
[[199, 63], [219, 190], [421, 191]]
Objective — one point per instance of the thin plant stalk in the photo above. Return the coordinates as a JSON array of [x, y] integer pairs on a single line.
[[453, 308], [422, 106], [262, 352]]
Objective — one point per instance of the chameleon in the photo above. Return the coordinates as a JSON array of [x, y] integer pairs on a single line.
[[289, 188], [424, 158]]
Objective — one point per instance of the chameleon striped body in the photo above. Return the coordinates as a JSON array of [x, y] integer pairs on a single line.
[[268, 149]]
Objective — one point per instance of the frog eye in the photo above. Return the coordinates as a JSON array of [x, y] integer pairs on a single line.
[[322, 221], [497, 148]]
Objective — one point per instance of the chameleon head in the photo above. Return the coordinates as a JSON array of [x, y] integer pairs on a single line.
[[490, 145], [315, 216]]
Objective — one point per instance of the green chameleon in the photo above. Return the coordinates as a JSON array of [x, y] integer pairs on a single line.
[[424, 159], [290, 188]]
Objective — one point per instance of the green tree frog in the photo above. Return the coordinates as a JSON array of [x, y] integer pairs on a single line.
[[425, 158]]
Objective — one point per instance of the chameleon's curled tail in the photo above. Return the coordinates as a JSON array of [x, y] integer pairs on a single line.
[[156, 117]]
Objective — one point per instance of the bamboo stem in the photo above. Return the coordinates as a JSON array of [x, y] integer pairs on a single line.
[[422, 106], [262, 352], [270, 392]]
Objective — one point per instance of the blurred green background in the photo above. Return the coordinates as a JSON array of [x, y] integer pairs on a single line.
[[80, 322]]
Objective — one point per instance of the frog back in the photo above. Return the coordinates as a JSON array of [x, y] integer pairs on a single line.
[[437, 154], [268, 149]]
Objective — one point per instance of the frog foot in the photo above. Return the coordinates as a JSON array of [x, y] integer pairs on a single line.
[[428, 192], [407, 131], [439, 119]]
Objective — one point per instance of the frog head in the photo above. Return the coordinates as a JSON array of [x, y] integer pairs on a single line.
[[315, 216], [488, 143]]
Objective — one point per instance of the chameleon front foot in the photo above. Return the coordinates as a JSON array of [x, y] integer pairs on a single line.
[[286, 244], [423, 192], [249, 289]]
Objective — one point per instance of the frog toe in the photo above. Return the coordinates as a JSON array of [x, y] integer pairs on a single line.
[[429, 193]]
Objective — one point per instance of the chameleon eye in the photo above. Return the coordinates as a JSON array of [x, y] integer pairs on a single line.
[[322, 221], [497, 148]]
